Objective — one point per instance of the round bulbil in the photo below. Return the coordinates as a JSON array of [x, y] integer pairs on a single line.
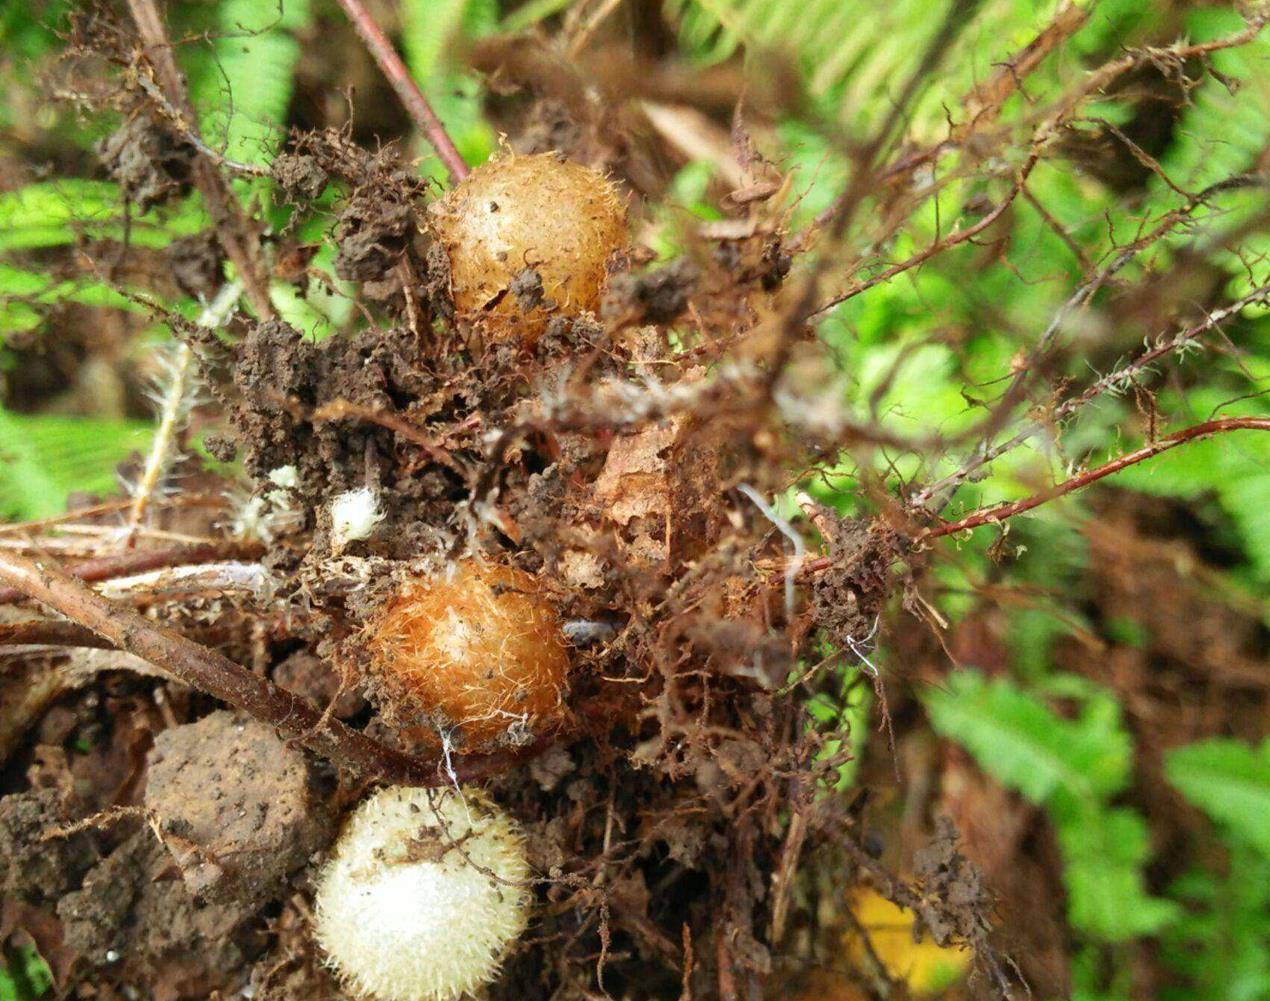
[[477, 651], [529, 237], [423, 894]]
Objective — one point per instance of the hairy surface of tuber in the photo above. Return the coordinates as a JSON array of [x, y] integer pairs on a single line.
[[529, 237], [477, 650], [422, 895]]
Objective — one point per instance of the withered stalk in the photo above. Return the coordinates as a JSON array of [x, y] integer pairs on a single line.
[[142, 560]]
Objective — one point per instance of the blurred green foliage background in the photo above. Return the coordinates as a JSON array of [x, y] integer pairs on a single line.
[[915, 354]]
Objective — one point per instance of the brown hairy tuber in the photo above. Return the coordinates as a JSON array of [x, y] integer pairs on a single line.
[[529, 237], [476, 651]]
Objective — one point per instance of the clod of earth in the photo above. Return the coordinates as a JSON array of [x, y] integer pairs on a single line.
[[238, 809], [529, 238], [478, 652], [151, 164], [423, 895]]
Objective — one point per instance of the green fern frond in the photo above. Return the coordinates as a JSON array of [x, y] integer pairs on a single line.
[[1227, 123], [56, 213], [250, 89], [22, 293], [1027, 745], [854, 56], [1235, 469], [1073, 768], [1229, 781], [43, 458], [1224, 132], [1104, 852]]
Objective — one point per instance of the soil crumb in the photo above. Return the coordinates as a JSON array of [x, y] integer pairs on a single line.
[[133, 924], [31, 868], [151, 164], [238, 809]]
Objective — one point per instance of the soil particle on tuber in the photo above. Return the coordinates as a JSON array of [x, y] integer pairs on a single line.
[[528, 290], [237, 807]]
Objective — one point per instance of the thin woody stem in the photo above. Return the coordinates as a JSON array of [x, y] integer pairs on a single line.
[[408, 91], [141, 560], [222, 205], [212, 672], [1000, 512]]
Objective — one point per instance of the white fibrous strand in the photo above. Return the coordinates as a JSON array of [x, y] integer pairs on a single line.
[[176, 394], [354, 516]]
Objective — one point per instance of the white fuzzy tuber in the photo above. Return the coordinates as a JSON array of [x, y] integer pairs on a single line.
[[354, 515], [406, 908]]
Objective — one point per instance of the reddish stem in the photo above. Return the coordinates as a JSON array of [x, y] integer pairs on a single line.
[[999, 512], [408, 91]]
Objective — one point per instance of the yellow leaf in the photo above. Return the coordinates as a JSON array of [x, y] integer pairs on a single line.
[[925, 967]]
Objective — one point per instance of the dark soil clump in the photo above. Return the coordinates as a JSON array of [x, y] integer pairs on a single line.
[[32, 868], [198, 264], [150, 162], [132, 922], [301, 176]]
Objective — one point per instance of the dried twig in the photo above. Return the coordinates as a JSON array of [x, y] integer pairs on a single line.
[[408, 91], [141, 561], [49, 632], [936, 494], [200, 578], [983, 106]]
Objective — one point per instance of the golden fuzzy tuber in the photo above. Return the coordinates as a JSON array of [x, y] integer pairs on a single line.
[[528, 237], [477, 651]]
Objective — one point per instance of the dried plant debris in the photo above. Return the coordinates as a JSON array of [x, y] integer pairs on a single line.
[[152, 164], [524, 527]]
